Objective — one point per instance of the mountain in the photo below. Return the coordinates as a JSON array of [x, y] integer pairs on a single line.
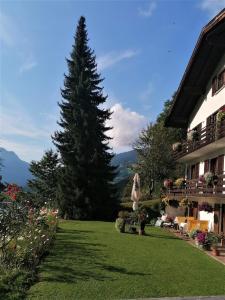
[[124, 161], [14, 170], [125, 158]]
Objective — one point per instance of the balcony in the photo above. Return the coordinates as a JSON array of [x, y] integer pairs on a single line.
[[212, 136], [195, 188]]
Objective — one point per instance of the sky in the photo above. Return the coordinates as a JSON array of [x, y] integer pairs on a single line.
[[142, 49]]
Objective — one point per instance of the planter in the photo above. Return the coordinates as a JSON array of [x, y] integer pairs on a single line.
[[215, 252]]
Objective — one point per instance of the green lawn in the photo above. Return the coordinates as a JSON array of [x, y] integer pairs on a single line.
[[90, 260]]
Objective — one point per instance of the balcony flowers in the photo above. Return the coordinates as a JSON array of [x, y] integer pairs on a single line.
[[220, 115], [219, 118], [177, 147], [168, 183], [204, 206], [201, 179], [192, 135], [180, 182], [209, 176]]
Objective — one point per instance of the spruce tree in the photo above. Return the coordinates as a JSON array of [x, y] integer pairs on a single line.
[[86, 187], [45, 173]]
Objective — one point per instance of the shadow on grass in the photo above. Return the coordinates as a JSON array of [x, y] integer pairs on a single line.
[[161, 236], [75, 259]]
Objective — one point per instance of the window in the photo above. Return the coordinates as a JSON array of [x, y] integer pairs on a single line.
[[218, 82], [221, 79], [214, 85]]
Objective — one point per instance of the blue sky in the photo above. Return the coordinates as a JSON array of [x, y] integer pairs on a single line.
[[142, 49]]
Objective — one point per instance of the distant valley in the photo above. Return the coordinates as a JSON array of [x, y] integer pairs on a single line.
[[15, 170]]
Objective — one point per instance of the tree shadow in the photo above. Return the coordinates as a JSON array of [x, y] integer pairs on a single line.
[[73, 258]]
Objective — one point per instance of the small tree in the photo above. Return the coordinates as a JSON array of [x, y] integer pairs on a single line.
[[154, 148], [45, 181]]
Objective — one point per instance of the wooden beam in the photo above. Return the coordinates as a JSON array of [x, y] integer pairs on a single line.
[[194, 90]]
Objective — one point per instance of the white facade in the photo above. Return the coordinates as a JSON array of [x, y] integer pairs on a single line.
[[206, 106], [209, 104]]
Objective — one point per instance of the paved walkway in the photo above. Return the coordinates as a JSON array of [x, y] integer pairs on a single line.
[[186, 298], [220, 258]]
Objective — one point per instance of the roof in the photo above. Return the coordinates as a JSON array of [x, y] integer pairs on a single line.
[[207, 53]]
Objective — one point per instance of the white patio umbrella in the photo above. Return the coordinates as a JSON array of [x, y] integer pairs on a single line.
[[136, 191]]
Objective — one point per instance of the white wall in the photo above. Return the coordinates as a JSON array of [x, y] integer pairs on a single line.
[[208, 104]]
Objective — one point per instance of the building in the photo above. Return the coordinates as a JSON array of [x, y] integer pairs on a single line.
[[199, 106]]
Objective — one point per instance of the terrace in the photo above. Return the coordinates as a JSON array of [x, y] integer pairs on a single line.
[[196, 188], [212, 136]]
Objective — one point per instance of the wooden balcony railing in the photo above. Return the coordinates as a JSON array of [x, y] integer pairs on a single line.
[[206, 135], [194, 187]]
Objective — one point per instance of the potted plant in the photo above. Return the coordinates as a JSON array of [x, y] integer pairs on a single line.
[[209, 178], [201, 239], [220, 116], [177, 146], [180, 182], [201, 179], [215, 180], [213, 241], [192, 135]]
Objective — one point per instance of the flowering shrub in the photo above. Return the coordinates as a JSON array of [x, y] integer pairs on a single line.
[[201, 237], [12, 191], [25, 234]]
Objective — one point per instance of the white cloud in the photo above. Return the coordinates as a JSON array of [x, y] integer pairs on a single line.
[[7, 30], [126, 125], [28, 64], [212, 6], [148, 11], [112, 58], [21, 133]]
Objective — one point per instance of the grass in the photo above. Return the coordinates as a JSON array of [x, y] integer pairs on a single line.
[[90, 260]]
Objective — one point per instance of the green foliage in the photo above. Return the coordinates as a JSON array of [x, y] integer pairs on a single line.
[[44, 184], [86, 182], [154, 148]]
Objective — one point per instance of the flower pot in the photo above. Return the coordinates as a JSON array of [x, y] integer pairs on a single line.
[[215, 252]]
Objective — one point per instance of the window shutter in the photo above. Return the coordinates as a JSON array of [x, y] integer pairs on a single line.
[[220, 165], [206, 166], [197, 171], [214, 85]]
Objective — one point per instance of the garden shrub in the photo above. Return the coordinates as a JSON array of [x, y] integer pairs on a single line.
[[26, 234]]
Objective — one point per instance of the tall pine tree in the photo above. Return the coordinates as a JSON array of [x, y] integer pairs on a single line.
[[86, 187]]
